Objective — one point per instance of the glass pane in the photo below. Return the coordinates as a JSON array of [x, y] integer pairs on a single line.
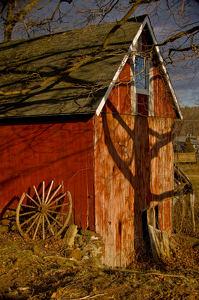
[[140, 80]]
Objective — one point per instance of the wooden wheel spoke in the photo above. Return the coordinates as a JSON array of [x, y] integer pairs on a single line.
[[49, 192], [27, 213], [51, 229], [43, 193], [43, 226], [39, 221], [49, 204], [29, 206], [57, 212], [32, 199], [25, 222], [61, 205], [56, 191], [37, 194], [32, 224], [54, 219]]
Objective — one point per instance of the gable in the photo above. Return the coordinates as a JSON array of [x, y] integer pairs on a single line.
[[158, 98]]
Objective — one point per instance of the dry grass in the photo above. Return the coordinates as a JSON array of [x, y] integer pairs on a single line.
[[190, 169], [184, 157]]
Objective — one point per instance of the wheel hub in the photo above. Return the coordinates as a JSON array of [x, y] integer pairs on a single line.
[[42, 208]]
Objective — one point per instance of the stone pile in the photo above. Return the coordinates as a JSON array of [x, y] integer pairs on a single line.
[[83, 245]]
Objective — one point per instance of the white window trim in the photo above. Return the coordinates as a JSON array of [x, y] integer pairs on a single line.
[[142, 91], [148, 91], [151, 89]]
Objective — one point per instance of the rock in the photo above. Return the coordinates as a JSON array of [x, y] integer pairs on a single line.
[[83, 251], [94, 238], [92, 250], [14, 227], [70, 235], [90, 233], [98, 244], [4, 228], [76, 253], [5, 222], [79, 240], [86, 257], [87, 232], [68, 252], [25, 291]]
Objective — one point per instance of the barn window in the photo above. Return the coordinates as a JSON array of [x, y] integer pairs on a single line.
[[142, 86], [140, 71]]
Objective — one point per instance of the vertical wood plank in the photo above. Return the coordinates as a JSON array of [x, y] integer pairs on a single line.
[[44, 151], [90, 173]]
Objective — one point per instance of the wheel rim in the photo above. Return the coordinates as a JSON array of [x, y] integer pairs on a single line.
[[44, 216]]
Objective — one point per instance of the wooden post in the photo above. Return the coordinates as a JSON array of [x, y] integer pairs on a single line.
[[192, 203]]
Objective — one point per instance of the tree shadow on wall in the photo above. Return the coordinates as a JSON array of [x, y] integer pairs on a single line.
[[142, 154]]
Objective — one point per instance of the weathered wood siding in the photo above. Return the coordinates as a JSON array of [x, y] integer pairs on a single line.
[[133, 170], [119, 100], [59, 150], [133, 167], [163, 103]]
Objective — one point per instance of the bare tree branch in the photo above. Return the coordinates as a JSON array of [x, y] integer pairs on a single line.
[[179, 35], [124, 19], [11, 21]]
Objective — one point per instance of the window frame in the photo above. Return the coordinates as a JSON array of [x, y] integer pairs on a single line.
[[144, 91], [149, 86]]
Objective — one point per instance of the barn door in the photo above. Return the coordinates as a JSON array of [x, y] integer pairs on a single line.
[[159, 242], [154, 238]]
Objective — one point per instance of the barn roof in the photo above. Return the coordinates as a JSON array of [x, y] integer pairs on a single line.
[[28, 63]]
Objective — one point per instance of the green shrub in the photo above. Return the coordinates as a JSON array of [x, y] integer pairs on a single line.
[[188, 146]]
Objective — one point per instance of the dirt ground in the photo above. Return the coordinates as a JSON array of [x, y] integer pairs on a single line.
[[42, 271]]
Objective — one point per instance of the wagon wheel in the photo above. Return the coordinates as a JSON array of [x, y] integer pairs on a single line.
[[45, 216]]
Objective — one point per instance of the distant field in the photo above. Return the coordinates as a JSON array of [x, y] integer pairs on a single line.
[[184, 157]]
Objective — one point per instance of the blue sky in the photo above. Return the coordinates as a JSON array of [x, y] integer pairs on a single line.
[[185, 75]]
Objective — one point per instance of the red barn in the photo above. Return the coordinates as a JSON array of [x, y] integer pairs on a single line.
[[97, 122]]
